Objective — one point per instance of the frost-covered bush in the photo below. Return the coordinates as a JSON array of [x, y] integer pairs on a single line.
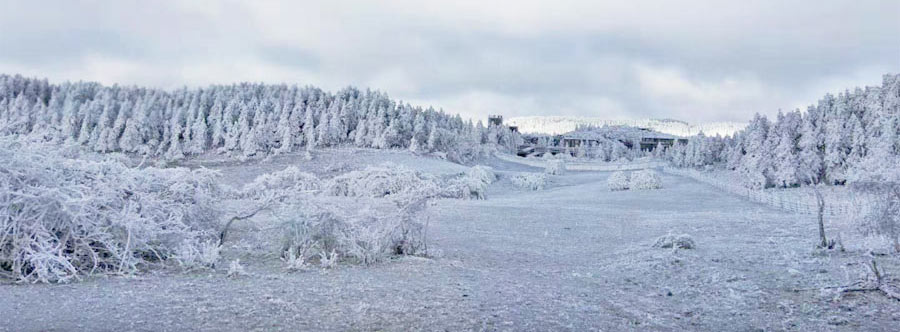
[[554, 167], [60, 218], [325, 232], [482, 173], [879, 177], [645, 179], [380, 181], [235, 269], [288, 181], [881, 216], [617, 181], [682, 241], [193, 254], [530, 181], [472, 184]]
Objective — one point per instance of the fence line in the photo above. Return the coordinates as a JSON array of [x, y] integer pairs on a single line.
[[582, 166], [801, 203], [612, 167]]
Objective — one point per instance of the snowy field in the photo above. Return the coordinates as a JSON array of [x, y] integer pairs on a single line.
[[573, 256]]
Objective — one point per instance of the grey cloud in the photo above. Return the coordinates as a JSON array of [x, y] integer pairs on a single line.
[[530, 58]]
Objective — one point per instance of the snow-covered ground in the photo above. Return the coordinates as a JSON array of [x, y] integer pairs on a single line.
[[573, 256]]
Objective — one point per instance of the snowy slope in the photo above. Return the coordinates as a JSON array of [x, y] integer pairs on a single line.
[[564, 124], [577, 251]]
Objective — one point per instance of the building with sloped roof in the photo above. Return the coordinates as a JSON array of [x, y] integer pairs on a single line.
[[645, 138]]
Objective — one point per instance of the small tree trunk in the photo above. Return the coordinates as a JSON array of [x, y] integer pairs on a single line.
[[894, 222], [820, 200]]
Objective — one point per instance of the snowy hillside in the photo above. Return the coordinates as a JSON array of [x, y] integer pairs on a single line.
[[563, 124]]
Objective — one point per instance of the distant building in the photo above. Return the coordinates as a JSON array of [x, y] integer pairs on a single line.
[[629, 136], [495, 120], [650, 142]]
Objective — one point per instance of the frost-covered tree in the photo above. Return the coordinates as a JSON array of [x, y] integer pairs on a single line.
[[286, 130], [786, 161], [217, 124], [309, 130], [837, 138], [132, 136], [755, 164], [175, 151], [199, 134], [241, 119], [811, 159], [824, 144]]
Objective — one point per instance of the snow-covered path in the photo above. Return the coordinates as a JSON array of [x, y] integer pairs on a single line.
[[572, 257]]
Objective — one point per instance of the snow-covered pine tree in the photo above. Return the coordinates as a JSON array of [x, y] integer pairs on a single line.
[[323, 129], [175, 151], [285, 130], [753, 166], [837, 113], [309, 130], [811, 163], [199, 133], [786, 160]]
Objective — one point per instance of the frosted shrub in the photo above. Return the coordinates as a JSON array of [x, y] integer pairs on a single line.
[[294, 261], [882, 217], [329, 260], [530, 181], [645, 179], [235, 269], [379, 181], [554, 167], [193, 254], [60, 218], [290, 180], [617, 181], [472, 184], [682, 241], [482, 173], [322, 231]]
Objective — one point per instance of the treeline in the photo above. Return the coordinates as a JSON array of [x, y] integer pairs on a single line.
[[847, 137], [243, 120]]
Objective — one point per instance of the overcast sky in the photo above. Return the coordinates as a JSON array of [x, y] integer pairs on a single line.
[[691, 60]]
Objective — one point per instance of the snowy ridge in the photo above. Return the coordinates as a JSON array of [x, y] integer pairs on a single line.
[[555, 125]]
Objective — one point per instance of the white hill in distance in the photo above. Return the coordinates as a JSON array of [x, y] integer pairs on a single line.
[[554, 125]]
